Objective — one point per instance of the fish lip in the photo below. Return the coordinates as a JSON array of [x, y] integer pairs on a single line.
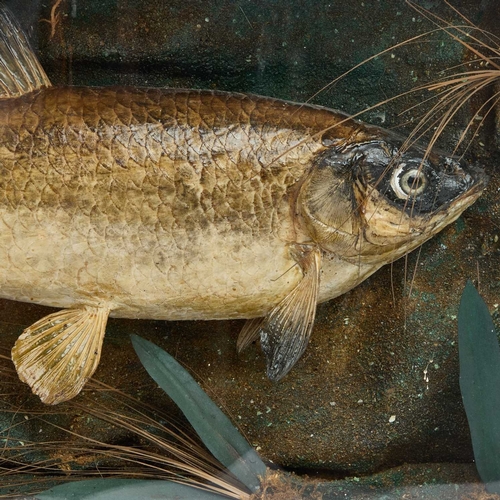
[[456, 206]]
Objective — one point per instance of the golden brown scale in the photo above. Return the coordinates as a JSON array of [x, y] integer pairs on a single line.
[[135, 179], [185, 204]]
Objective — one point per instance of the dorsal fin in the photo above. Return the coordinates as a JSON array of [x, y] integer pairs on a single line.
[[20, 71]]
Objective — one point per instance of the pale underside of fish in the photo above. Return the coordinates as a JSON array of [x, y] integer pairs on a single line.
[[185, 204]]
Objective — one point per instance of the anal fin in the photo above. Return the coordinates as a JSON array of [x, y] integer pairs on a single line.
[[59, 353], [285, 331]]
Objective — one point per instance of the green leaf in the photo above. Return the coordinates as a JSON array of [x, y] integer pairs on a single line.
[[125, 489], [480, 383], [215, 430]]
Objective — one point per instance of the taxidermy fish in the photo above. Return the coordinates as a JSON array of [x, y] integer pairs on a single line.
[[187, 204]]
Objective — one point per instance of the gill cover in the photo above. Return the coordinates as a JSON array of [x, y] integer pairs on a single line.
[[327, 204]]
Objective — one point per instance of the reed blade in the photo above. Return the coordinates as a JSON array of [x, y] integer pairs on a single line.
[[213, 427], [125, 489], [480, 383]]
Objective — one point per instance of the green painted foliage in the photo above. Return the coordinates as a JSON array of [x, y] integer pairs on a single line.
[[215, 430], [480, 383], [126, 489]]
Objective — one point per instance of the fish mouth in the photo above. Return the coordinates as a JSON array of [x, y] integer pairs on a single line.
[[479, 176], [471, 178], [457, 185]]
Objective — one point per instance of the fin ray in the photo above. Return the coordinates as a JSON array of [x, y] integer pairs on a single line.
[[59, 353], [249, 333], [285, 331], [20, 70]]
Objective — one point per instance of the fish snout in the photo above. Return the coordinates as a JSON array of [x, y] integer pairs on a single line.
[[461, 177], [455, 181]]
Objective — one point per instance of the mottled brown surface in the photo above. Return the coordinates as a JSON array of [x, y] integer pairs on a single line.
[[122, 181]]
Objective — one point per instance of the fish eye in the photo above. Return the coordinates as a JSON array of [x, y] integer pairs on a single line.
[[409, 183]]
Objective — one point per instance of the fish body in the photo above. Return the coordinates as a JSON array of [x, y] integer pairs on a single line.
[[186, 204], [156, 203]]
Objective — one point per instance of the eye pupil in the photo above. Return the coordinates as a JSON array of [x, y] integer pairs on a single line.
[[414, 181]]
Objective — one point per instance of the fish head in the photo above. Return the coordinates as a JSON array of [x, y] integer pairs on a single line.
[[376, 200]]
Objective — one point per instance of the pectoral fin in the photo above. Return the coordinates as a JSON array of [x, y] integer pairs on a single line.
[[285, 331], [58, 354]]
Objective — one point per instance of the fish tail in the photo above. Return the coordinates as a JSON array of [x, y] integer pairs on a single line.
[[20, 70]]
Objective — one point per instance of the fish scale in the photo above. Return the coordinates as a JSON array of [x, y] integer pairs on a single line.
[[160, 201], [191, 204]]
